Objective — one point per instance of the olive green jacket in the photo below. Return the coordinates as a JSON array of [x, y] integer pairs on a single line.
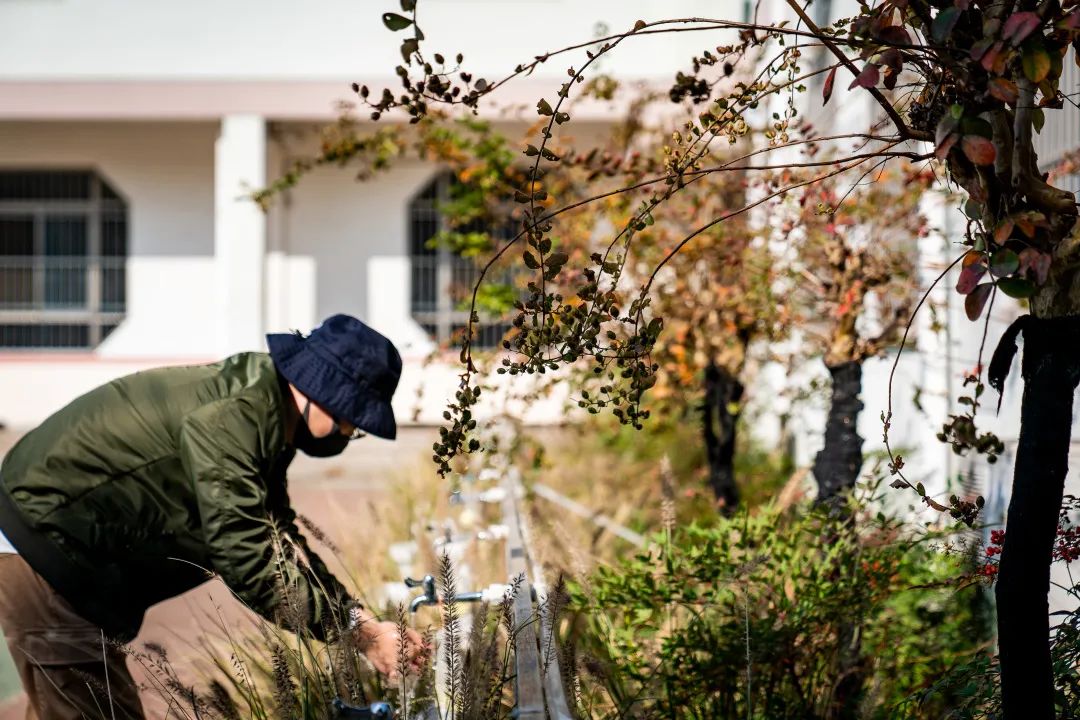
[[137, 490]]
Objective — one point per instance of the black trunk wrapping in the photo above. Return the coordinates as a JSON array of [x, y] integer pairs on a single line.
[[1051, 370], [838, 463], [722, 390]]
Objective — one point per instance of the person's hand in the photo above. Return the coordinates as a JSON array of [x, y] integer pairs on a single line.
[[381, 644]]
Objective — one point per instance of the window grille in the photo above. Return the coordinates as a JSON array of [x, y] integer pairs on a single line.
[[442, 280], [63, 256]]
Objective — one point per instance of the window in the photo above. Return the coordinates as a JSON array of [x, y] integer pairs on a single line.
[[442, 280], [63, 252]]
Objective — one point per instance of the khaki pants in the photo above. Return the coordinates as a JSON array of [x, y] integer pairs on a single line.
[[60, 657]]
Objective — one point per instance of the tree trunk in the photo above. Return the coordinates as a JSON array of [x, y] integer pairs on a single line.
[[723, 391], [1051, 370], [837, 465]]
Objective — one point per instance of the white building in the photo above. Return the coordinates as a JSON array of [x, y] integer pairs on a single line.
[[130, 131]]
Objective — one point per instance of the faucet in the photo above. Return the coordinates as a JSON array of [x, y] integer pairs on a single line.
[[428, 598], [492, 593]]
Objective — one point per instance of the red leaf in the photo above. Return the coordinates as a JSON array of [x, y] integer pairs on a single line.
[[894, 35], [1003, 231], [979, 49], [945, 146], [978, 149], [1019, 26], [1004, 90], [990, 57], [976, 301], [868, 78], [969, 278], [1038, 262], [826, 91]]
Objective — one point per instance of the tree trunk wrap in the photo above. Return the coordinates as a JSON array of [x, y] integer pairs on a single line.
[[722, 390], [838, 463], [1051, 370]]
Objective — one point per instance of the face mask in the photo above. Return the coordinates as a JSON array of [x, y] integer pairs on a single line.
[[333, 444]]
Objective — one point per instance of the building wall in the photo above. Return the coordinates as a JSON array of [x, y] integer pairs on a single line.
[[316, 38], [165, 172]]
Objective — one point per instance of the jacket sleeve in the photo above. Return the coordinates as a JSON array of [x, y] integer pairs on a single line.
[[263, 559]]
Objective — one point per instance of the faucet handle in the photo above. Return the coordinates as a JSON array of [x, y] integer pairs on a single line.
[[427, 583]]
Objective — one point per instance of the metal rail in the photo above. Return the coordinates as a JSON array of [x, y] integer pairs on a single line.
[[539, 691], [596, 518], [539, 676]]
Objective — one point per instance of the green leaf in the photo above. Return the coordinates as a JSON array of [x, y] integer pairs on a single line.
[[1038, 119], [532, 150], [408, 5], [973, 209], [976, 126], [1036, 62], [944, 23], [1004, 262], [395, 22], [1017, 287]]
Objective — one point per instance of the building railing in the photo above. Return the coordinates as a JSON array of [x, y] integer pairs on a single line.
[[54, 302], [440, 295]]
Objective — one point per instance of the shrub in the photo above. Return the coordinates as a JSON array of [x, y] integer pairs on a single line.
[[777, 614]]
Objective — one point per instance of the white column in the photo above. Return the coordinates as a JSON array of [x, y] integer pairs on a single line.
[[239, 232], [389, 279]]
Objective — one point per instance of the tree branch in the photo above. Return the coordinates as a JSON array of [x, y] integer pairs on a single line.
[[902, 127]]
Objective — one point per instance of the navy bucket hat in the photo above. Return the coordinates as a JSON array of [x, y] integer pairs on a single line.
[[346, 368]]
